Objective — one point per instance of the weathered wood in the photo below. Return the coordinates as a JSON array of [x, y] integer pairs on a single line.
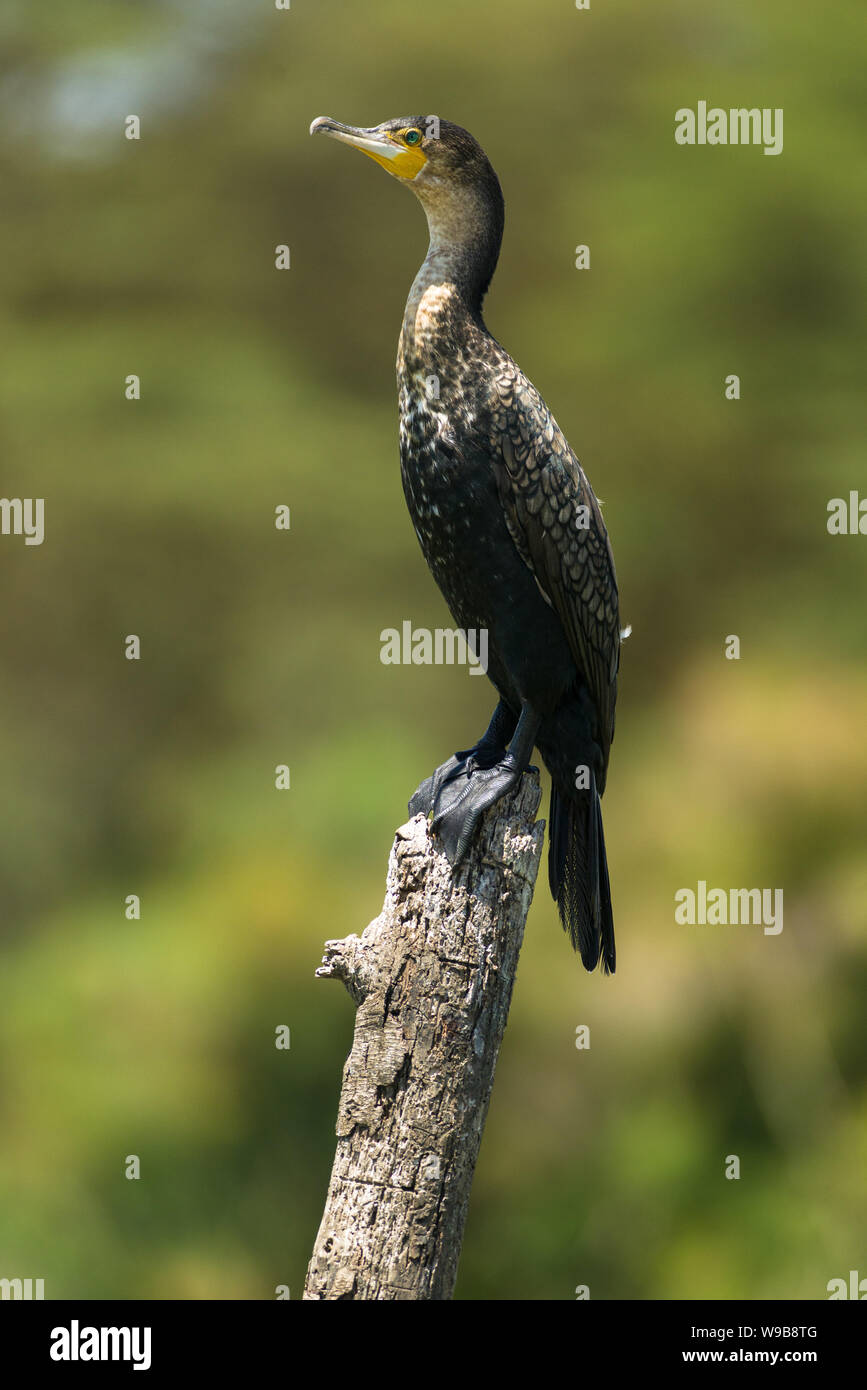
[[432, 979]]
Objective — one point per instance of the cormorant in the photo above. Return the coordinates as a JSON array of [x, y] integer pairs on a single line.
[[509, 526]]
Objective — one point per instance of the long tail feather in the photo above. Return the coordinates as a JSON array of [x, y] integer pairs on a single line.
[[578, 875]]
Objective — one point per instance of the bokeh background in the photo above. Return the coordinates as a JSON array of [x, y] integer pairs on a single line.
[[602, 1167]]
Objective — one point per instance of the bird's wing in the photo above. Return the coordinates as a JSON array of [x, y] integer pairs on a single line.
[[557, 527]]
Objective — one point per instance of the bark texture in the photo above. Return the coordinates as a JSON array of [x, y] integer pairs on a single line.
[[432, 980]]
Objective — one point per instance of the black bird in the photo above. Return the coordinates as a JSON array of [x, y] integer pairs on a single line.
[[509, 526]]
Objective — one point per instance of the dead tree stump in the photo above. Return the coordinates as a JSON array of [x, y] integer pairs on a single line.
[[432, 980]]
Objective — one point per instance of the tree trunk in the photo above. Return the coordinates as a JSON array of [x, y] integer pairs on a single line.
[[432, 980]]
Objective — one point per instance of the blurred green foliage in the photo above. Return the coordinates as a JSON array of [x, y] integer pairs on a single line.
[[603, 1167]]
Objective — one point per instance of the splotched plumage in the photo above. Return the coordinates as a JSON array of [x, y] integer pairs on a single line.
[[486, 468], [496, 496], [556, 524], [513, 535]]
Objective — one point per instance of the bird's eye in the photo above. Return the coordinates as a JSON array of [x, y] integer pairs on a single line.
[[412, 137]]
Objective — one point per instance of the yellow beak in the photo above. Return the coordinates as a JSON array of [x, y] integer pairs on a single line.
[[399, 159]]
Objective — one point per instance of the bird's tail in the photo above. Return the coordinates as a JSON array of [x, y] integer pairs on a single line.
[[578, 875]]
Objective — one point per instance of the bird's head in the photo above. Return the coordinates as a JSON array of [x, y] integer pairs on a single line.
[[450, 175], [415, 149]]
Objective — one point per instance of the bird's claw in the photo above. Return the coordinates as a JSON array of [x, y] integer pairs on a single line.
[[424, 798], [461, 765], [462, 803]]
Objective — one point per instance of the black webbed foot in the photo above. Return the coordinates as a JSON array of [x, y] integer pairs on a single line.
[[490, 749], [460, 791], [452, 774], [462, 802]]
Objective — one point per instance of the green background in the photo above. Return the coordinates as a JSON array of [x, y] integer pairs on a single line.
[[602, 1167]]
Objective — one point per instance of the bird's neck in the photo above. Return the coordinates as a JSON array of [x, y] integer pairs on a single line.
[[447, 293]]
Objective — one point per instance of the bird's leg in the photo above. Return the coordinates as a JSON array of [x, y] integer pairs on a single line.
[[458, 813], [490, 748]]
